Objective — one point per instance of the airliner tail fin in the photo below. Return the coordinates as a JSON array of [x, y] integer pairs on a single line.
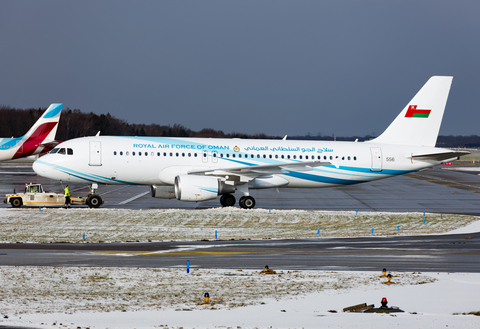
[[419, 122], [41, 134], [45, 129]]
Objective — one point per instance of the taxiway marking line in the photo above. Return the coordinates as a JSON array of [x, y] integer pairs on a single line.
[[134, 198]]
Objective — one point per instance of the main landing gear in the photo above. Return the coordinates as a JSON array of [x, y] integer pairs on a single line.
[[245, 202], [94, 200]]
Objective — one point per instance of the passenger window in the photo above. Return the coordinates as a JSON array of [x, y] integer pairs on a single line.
[[133, 153], [233, 155], [276, 156], [343, 158], [176, 154], [300, 157], [114, 152], [221, 155], [258, 155], [270, 156], [251, 156], [139, 153], [306, 157], [189, 154], [348, 158], [164, 154], [288, 156], [354, 158], [121, 153], [195, 155], [228, 155], [283, 156], [324, 157], [158, 154], [171, 154], [331, 157], [183, 154], [239, 155], [152, 154], [126, 153]]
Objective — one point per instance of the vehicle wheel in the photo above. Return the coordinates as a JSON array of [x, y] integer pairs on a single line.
[[94, 201], [241, 202], [222, 200], [249, 202], [16, 203], [228, 200]]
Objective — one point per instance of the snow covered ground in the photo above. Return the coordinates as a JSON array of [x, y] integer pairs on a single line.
[[120, 225], [53, 297]]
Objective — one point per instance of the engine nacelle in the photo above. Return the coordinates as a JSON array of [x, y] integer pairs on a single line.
[[163, 192], [200, 188]]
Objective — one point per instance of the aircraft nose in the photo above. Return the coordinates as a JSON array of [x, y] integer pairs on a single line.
[[41, 168]]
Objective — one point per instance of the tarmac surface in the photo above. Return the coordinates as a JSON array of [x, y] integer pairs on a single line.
[[429, 253], [433, 190]]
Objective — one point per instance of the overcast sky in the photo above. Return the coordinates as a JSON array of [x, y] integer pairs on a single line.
[[274, 67]]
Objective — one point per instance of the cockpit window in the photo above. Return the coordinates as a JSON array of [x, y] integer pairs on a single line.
[[62, 151], [70, 151], [55, 150]]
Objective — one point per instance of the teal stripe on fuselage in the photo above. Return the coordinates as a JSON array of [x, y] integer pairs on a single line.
[[388, 172], [323, 179]]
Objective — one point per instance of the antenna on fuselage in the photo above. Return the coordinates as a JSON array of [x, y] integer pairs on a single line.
[[284, 138]]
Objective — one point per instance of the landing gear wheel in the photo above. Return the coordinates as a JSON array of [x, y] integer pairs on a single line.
[[94, 201], [227, 200], [16, 203], [247, 202]]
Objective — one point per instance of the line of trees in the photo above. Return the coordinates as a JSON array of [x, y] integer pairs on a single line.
[[15, 122], [74, 123]]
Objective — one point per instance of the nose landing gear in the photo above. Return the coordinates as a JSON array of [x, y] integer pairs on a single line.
[[94, 200]]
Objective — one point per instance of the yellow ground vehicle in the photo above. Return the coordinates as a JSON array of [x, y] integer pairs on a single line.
[[35, 196]]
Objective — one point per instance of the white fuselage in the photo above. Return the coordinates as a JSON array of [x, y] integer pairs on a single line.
[[158, 160]]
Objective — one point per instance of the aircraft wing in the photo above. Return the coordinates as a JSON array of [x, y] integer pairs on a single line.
[[255, 171], [439, 156]]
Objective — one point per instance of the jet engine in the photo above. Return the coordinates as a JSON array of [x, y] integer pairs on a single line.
[[200, 188]]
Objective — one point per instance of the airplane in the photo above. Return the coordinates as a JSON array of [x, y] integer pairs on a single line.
[[199, 169], [39, 139]]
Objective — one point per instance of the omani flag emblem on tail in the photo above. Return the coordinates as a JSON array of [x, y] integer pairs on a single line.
[[412, 112]]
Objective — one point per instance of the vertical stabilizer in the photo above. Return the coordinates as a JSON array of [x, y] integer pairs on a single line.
[[419, 122], [41, 133]]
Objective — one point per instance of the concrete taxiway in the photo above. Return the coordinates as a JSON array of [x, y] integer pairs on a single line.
[[433, 190], [430, 253]]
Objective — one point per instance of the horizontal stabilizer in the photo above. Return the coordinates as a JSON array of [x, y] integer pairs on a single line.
[[439, 156]]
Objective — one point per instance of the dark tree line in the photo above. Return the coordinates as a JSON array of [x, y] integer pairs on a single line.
[[74, 123]]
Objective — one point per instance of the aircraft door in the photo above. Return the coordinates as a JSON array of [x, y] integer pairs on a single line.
[[214, 156], [95, 154], [204, 156], [376, 159]]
